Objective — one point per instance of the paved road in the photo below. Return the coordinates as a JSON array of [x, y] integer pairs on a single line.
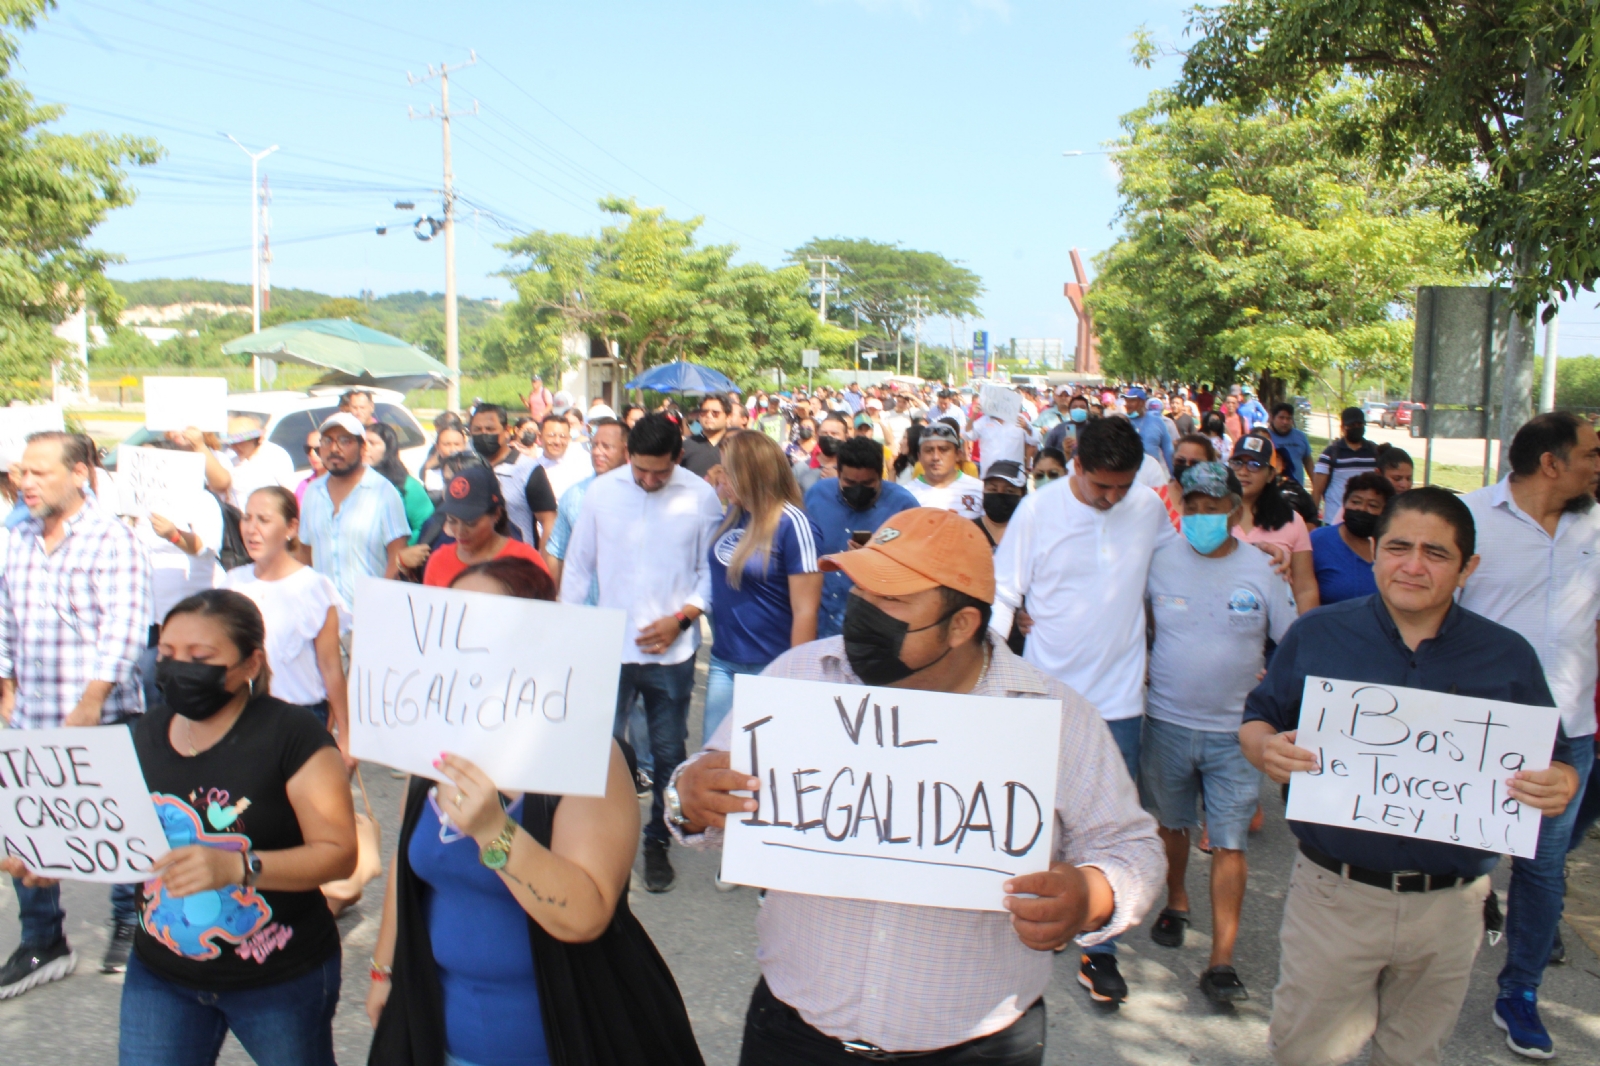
[[708, 938]]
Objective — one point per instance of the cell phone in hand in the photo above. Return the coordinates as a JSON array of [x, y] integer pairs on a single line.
[[861, 536]]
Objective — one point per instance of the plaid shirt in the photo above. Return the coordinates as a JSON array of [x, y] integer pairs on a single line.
[[78, 614], [911, 978]]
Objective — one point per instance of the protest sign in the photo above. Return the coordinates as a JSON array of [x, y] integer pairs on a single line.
[[1414, 763], [1001, 402], [891, 794], [525, 689], [74, 805], [16, 423], [178, 403], [155, 479]]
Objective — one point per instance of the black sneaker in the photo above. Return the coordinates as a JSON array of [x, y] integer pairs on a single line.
[[1099, 974], [29, 967], [1222, 985], [658, 875], [1169, 927], [116, 959]]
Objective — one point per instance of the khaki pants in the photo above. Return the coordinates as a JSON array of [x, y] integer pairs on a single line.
[[1360, 962]]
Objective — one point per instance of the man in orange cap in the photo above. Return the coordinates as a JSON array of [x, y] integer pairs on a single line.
[[845, 979]]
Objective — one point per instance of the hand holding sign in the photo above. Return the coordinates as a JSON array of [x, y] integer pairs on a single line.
[[74, 805], [1411, 762]]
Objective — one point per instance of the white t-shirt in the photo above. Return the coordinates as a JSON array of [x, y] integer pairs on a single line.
[[1213, 618], [294, 609], [1000, 440], [568, 470], [964, 495], [270, 465], [174, 573], [1083, 572]]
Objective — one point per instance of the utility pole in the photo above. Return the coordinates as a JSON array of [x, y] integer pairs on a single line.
[[452, 333], [916, 343], [858, 329], [255, 249], [1516, 387], [1547, 390], [266, 246], [822, 303]]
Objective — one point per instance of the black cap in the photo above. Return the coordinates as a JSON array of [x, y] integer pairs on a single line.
[[1352, 415], [471, 494]]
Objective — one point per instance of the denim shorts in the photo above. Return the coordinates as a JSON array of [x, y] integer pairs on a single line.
[[1180, 765]]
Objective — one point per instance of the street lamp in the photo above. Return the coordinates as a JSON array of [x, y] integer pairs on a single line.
[[255, 248]]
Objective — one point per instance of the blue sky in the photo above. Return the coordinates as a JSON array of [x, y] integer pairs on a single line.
[[936, 123]]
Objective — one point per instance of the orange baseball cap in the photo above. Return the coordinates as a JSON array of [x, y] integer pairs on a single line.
[[920, 549]]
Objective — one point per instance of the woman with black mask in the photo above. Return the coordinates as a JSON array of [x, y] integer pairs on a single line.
[[1341, 554], [1004, 486], [234, 934]]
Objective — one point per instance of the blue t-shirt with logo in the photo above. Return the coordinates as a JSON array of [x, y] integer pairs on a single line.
[[753, 623], [838, 520]]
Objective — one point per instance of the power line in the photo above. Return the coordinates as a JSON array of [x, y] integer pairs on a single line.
[[232, 249]]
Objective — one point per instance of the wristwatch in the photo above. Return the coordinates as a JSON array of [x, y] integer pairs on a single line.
[[252, 869], [684, 621], [497, 852], [674, 811]]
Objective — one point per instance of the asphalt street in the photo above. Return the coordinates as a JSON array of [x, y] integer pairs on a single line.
[[708, 938]]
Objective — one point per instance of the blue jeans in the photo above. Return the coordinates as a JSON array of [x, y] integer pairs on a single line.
[[43, 919], [286, 1024], [719, 693], [665, 690], [639, 738], [1537, 886], [1126, 732]]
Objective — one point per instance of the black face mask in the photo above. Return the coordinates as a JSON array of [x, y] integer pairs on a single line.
[[1179, 466], [529, 439], [806, 432], [1354, 433], [859, 497], [872, 643], [1361, 524], [486, 444], [1000, 506], [829, 446], [194, 690]]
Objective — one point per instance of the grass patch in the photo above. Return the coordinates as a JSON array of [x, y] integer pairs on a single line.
[[1455, 478]]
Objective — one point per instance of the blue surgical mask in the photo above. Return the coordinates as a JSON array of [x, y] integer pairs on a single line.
[[1205, 532], [1079, 414], [695, 429]]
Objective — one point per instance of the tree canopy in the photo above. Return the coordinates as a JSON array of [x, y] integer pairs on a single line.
[[1253, 243], [1511, 88], [883, 282], [54, 190], [650, 287]]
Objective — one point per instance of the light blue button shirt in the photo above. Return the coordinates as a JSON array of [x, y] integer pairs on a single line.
[[354, 540]]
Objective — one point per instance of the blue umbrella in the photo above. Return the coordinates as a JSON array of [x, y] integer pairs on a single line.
[[682, 377]]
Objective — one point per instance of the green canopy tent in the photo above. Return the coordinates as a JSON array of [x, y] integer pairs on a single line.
[[352, 354]]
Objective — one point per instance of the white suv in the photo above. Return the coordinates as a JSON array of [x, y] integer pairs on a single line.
[[289, 417]]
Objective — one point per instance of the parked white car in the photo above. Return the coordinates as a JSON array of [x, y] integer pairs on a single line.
[[290, 416]]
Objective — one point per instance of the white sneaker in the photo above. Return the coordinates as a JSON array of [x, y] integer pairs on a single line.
[[721, 885]]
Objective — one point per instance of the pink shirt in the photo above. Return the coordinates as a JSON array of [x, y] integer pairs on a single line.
[[1294, 536]]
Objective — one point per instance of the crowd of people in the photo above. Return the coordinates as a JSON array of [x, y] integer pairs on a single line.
[[1170, 563]]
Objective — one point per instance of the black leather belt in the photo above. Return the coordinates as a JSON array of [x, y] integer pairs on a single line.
[[1392, 880]]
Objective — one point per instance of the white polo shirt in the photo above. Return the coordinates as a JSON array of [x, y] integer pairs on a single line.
[[1083, 573], [1546, 588]]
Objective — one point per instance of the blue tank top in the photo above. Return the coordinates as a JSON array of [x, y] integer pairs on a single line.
[[480, 942]]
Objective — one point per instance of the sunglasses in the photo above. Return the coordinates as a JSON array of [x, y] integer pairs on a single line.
[[1049, 475], [1246, 464]]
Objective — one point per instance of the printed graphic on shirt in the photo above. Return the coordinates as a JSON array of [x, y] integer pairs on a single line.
[[726, 544], [1243, 601], [192, 926]]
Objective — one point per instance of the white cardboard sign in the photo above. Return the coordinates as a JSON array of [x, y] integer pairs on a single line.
[[19, 421], [74, 805], [178, 403], [890, 794], [525, 689], [1002, 403], [152, 478], [1414, 763]]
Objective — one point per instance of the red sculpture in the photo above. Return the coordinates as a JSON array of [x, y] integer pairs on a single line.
[[1086, 360]]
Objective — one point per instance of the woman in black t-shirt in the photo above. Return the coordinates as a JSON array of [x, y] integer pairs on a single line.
[[233, 931]]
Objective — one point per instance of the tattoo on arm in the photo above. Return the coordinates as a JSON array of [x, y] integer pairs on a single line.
[[538, 897]]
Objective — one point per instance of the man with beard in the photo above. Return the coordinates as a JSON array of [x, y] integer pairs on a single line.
[[353, 522], [849, 509], [530, 501], [849, 981], [1539, 536], [1344, 457], [701, 450]]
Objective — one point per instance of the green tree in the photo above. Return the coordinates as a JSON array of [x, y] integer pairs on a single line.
[[883, 282], [1252, 243], [1510, 89], [54, 190], [651, 288]]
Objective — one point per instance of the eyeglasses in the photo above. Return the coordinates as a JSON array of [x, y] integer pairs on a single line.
[[1246, 464]]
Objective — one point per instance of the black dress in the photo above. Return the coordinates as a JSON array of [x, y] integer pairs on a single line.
[[610, 1002]]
